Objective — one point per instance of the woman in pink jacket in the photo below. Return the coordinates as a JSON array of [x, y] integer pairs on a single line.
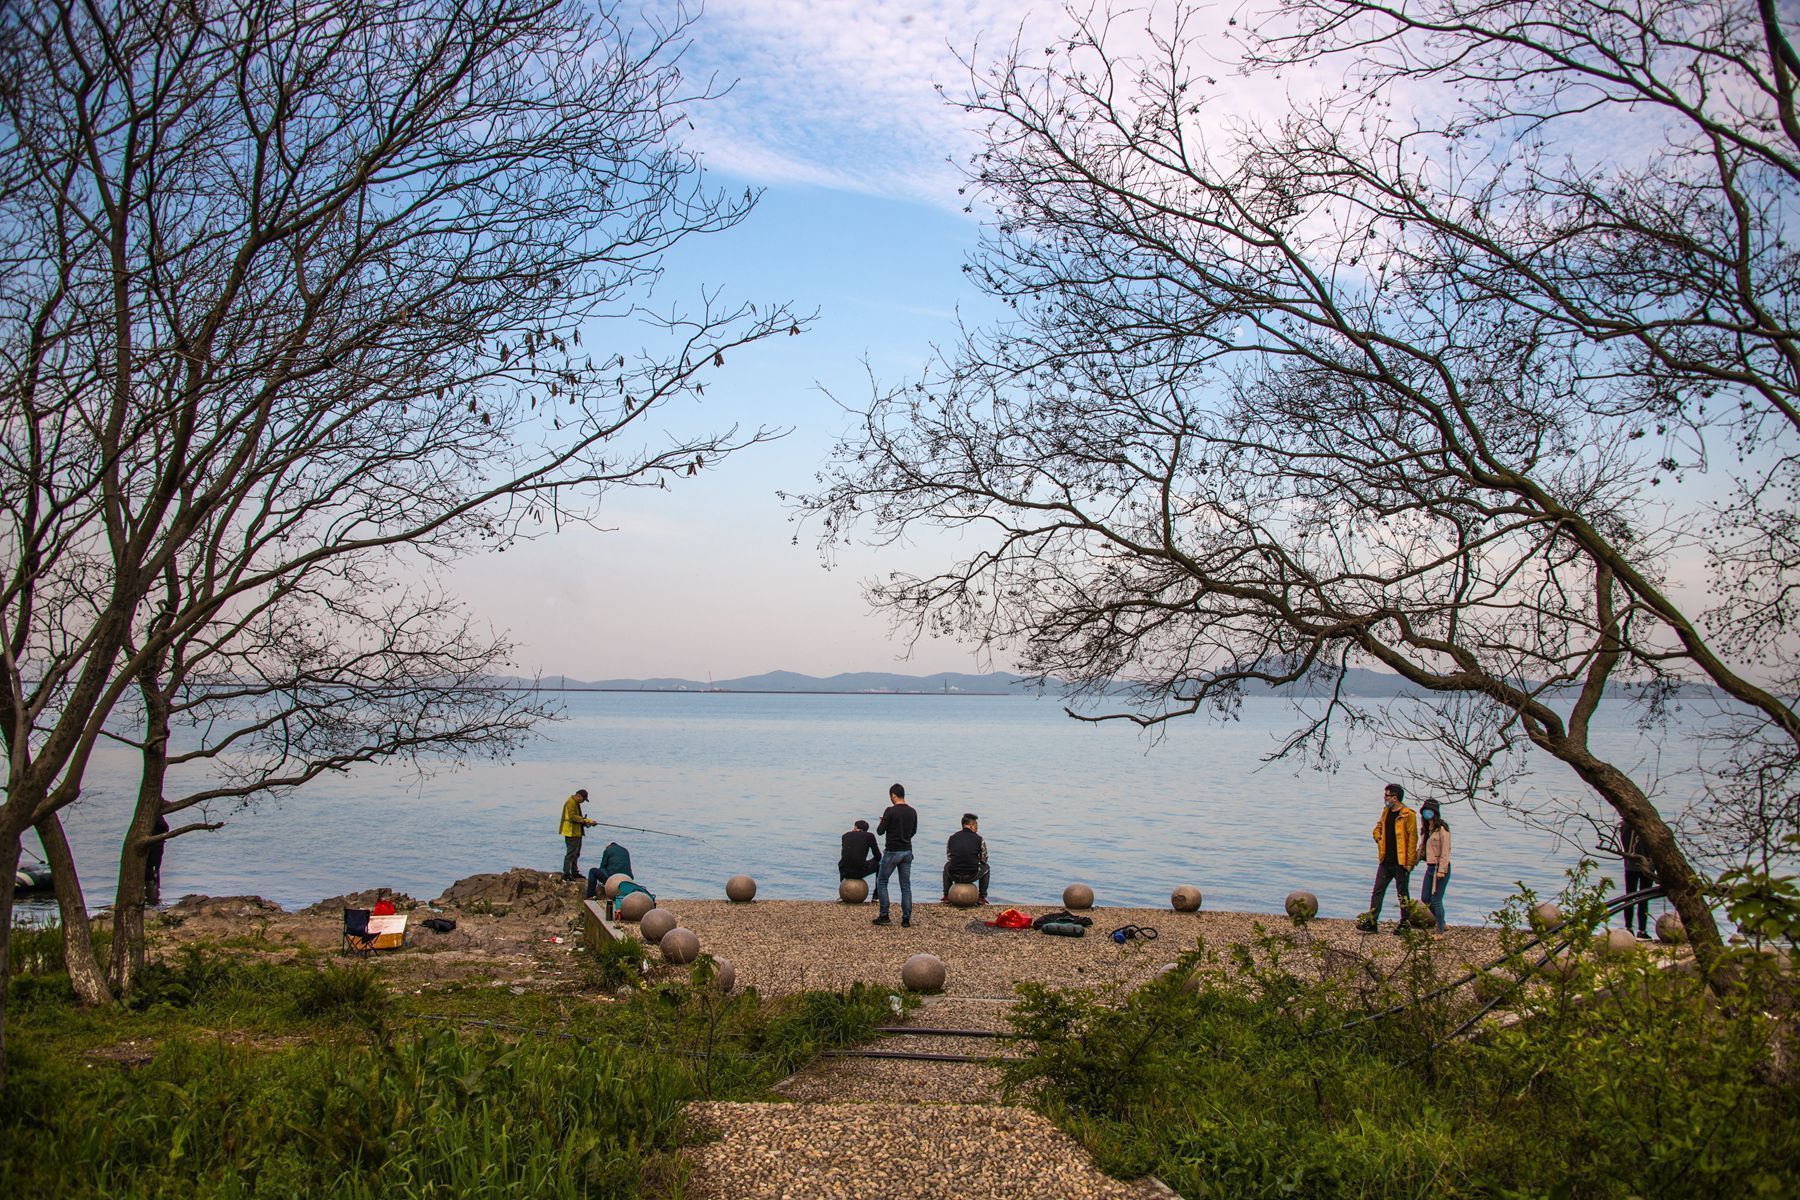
[[1437, 867]]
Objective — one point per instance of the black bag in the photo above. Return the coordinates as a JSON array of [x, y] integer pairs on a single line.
[[1064, 916], [439, 924]]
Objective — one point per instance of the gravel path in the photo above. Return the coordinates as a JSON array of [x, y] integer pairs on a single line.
[[892, 1152]]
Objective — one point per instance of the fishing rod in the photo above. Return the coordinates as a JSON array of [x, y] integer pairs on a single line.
[[642, 829]]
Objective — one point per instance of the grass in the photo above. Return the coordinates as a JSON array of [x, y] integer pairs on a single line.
[[1619, 1080], [229, 1076]]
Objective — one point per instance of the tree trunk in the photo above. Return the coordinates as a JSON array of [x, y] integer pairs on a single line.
[[133, 889], [85, 975], [9, 877]]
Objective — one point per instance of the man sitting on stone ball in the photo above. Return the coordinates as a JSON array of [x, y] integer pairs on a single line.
[[966, 857], [861, 855]]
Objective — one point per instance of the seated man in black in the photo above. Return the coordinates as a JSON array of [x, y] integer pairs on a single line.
[[861, 856], [966, 858]]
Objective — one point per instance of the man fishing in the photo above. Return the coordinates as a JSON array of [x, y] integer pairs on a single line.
[[574, 824]]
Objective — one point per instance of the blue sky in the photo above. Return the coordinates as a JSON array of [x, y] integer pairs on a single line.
[[835, 114]]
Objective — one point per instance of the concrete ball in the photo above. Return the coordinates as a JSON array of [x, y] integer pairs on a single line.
[[1669, 929], [634, 906], [680, 945], [1185, 898], [923, 973], [963, 895], [741, 889], [1191, 985], [853, 891], [655, 923], [613, 882], [1301, 907], [1164, 971], [1546, 915], [1620, 942], [724, 974], [1078, 895]]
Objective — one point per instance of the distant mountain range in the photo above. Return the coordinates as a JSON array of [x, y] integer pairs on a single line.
[[1357, 682]]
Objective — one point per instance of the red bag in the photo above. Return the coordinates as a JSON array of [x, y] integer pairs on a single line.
[[1012, 918], [383, 908]]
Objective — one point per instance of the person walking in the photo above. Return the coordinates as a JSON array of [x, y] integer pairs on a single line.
[[574, 824], [1639, 876], [1396, 836], [899, 823], [1437, 866], [966, 857], [861, 853]]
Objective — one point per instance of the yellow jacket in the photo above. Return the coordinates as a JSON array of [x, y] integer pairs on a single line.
[[1406, 836], [573, 823]]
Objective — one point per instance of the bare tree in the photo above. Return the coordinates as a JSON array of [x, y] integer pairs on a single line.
[[288, 286], [1422, 375]]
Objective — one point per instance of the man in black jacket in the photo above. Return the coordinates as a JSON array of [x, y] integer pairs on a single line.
[[966, 859], [861, 856], [899, 823]]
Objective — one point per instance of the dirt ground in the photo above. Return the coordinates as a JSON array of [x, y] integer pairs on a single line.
[[523, 928]]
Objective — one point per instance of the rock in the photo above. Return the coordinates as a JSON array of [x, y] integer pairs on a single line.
[[724, 974], [613, 882], [655, 923], [1669, 929], [923, 973], [853, 891], [1546, 915], [1620, 942], [1185, 898], [634, 906], [1301, 907], [963, 895], [1416, 915], [223, 908], [1078, 895], [369, 898], [740, 889], [518, 890], [679, 945]]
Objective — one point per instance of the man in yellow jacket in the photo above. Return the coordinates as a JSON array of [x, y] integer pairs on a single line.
[[574, 824], [1396, 835]]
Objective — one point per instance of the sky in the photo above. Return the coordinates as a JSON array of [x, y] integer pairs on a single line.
[[834, 114]]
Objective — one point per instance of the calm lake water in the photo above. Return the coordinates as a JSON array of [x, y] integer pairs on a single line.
[[768, 782]]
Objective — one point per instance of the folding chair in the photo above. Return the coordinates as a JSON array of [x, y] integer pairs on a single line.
[[358, 938]]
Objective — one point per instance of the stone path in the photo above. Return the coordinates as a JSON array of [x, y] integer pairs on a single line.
[[894, 1129]]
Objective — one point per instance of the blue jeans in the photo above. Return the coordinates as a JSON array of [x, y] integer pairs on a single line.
[[1433, 892], [893, 860]]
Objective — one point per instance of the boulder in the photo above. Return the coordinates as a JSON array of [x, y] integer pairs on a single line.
[[740, 889], [367, 898], [1077, 896], [1301, 907], [963, 895], [679, 945], [517, 890], [655, 923], [634, 906], [853, 891], [1185, 898], [1669, 929], [923, 973]]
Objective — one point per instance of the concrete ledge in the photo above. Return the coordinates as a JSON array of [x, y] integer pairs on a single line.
[[596, 928]]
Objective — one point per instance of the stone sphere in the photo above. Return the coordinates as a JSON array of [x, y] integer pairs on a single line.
[[1302, 907], [655, 923], [853, 891], [680, 945], [613, 882], [923, 973], [634, 906], [724, 974], [1164, 971], [741, 889], [1669, 929], [1185, 898], [1620, 942], [1078, 895], [1546, 915], [963, 895]]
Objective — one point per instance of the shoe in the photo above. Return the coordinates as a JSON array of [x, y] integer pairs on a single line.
[[881, 921], [906, 922], [1643, 937], [1399, 930]]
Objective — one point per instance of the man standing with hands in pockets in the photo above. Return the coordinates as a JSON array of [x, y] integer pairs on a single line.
[[899, 823]]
